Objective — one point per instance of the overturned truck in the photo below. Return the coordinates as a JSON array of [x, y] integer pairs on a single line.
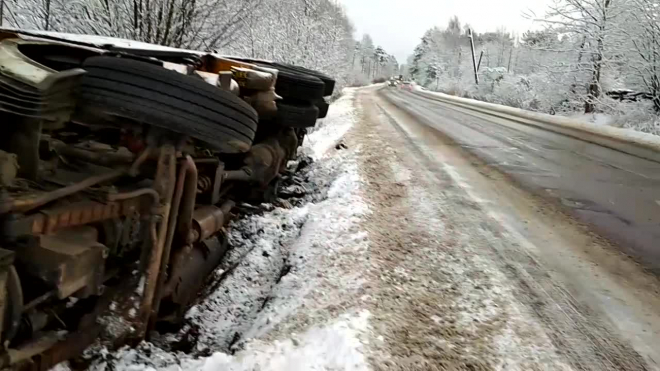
[[120, 168]]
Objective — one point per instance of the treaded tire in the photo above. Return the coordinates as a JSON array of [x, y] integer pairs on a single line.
[[152, 95], [299, 86], [328, 81], [323, 107], [291, 76], [297, 115]]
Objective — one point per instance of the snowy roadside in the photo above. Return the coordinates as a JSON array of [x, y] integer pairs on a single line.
[[287, 296], [632, 116]]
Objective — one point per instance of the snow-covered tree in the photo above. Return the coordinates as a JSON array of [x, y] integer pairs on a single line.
[[194, 24], [644, 34], [420, 53], [589, 24]]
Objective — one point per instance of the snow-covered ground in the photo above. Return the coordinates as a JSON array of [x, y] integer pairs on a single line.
[[599, 119], [636, 116]]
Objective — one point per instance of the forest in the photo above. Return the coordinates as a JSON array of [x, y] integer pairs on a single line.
[[312, 33], [595, 57]]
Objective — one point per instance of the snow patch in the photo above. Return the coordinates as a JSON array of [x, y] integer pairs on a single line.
[[64, 366], [333, 347], [600, 119], [328, 230], [139, 290], [328, 131]]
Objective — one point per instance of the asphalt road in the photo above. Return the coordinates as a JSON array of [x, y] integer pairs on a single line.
[[616, 194], [527, 210]]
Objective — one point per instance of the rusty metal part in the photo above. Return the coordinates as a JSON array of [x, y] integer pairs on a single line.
[[52, 348], [191, 264], [289, 141], [35, 321], [32, 349], [51, 220], [267, 159], [100, 158], [135, 168], [211, 195], [70, 261], [29, 203], [243, 175], [155, 197], [204, 184], [39, 300], [164, 183], [191, 267], [225, 190], [207, 161], [5, 303], [32, 202], [187, 175], [184, 227], [209, 220], [15, 300], [11, 296]]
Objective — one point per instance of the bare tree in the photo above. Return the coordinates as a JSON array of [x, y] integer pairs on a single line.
[[590, 21], [194, 24], [644, 35]]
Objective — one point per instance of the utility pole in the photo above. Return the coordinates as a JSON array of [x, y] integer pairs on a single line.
[[508, 68], [2, 12], [481, 55], [474, 59]]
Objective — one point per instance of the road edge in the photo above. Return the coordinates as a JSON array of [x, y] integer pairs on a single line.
[[639, 144]]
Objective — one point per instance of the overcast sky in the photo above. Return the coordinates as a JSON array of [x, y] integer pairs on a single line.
[[398, 25]]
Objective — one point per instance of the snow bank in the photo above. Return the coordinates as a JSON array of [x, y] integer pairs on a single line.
[[636, 143], [540, 92], [332, 347], [328, 131]]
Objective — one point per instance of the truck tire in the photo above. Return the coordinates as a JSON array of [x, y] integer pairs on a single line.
[[323, 108], [328, 81], [296, 115], [298, 86], [152, 95], [289, 71]]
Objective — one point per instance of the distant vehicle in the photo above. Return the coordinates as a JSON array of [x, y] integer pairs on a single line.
[[406, 85]]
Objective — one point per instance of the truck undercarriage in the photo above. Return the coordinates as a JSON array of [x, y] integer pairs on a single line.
[[119, 172]]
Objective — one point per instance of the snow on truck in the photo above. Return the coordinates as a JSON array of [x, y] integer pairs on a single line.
[[120, 165]]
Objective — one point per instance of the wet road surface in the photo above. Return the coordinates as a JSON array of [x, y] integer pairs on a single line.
[[526, 210], [615, 193]]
